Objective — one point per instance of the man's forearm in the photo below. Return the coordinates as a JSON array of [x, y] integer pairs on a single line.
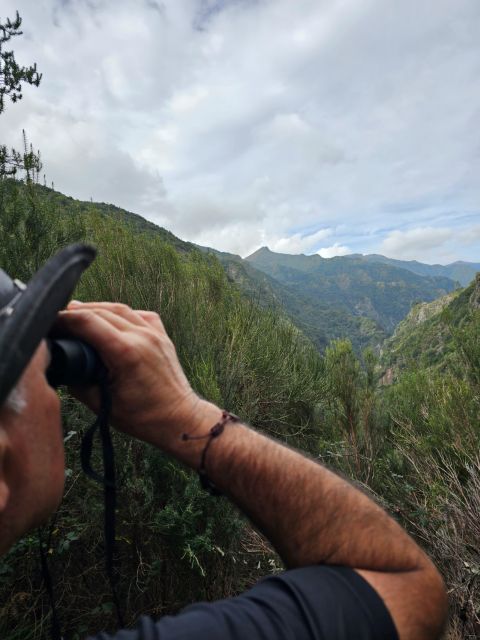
[[312, 516], [308, 513]]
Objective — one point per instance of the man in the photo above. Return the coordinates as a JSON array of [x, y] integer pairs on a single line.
[[352, 572]]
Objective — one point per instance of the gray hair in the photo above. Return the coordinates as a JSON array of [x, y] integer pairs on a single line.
[[16, 400]]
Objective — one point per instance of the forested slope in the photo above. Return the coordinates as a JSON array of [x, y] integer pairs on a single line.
[[327, 299], [431, 335], [320, 320]]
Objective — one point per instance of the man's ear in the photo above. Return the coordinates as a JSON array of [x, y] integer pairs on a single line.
[[4, 490]]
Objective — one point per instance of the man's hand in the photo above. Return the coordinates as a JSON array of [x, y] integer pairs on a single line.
[[152, 398]]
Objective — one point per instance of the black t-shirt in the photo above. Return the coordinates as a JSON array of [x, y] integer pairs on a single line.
[[312, 603]]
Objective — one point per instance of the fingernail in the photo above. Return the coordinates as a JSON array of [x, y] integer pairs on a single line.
[[74, 303]]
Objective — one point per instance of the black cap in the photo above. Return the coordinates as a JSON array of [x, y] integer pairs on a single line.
[[28, 312]]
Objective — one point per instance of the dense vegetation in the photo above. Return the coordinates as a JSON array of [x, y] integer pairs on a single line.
[[432, 333], [175, 543], [413, 444]]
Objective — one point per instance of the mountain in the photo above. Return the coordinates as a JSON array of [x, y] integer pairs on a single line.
[[462, 272], [381, 292], [435, 334], [321, 322]]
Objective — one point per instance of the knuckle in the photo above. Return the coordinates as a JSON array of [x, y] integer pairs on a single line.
[[150, 316], [119, 308], [131, 352], [156, 339], [138, 347], [86, 317]]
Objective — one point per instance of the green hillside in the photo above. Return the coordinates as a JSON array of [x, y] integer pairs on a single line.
[[317, 320], [70, 206], [432, 333], [378, 291]]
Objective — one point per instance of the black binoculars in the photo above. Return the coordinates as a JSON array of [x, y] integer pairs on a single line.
[[73, 363]]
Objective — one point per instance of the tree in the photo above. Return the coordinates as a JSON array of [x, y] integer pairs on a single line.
[[11, 73]]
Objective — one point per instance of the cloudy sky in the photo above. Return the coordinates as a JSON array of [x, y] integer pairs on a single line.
[[330, 126]]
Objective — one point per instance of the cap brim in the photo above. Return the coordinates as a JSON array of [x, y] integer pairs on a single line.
[[36, 309]]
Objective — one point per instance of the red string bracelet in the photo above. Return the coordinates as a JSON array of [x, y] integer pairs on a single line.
[[214, 432]]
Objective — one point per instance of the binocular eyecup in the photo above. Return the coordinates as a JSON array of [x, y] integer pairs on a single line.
[[73, 363]]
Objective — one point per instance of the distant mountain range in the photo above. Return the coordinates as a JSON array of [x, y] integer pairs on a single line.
[[462, 272], [359, 286], [362, 298], [359, 297], [319, 320]]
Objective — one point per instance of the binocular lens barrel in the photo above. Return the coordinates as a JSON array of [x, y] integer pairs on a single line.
[[73, 363]]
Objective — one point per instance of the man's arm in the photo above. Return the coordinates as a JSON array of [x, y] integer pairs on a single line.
[[310, 515]]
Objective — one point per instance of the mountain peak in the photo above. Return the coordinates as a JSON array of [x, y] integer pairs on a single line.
[[259, 252]]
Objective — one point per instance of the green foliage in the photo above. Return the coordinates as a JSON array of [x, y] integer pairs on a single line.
[[442, 335], [431, 477], [175, 543], [11, 73], [344, 376], [31, 227]]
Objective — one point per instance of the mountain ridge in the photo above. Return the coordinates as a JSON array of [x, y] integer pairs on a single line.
[[321, 317], [460, 270], [376, 290]]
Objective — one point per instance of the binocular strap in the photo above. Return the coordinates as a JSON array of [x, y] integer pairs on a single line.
[[108, 480], [55, 630]]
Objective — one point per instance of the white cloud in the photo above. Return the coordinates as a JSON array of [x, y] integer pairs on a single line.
[[415, 243], [335, 250], [470, 236], [185, 101], [431, 244], [299, 243], [236, 121]]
